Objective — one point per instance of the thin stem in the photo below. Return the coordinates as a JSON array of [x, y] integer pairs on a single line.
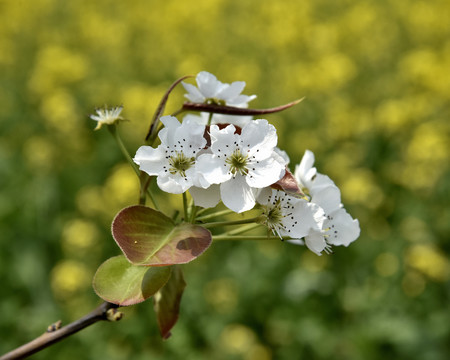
[[185, 207], [242, 229], [194, 210], [149, 193], [216, 214], [103, 312], [256, 237], [234, 222], [113, 130], [201, 211], [144, 180]]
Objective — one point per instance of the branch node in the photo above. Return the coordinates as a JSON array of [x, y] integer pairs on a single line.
[[55, 326], [113, 315]]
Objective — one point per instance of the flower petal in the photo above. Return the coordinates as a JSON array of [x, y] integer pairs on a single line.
[[237, 195], [167, 133], [343, 228], [296, 241], [304, 218], [188, 138], [304, 172], [241, 101], [232, 91], [223, 140], [150, 160], [208, 84], [328, 198], [212, 168], [315, 242], [174, 184], [259, 139], [265, 173], [264, 195], [201, 119], [193, 94], [206, 198]]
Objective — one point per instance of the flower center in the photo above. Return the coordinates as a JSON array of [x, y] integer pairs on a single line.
[[274, 217], [237, 163], [179, 163]]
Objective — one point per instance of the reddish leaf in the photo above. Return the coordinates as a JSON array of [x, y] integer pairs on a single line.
[[167, 302], [119, 282], [289, 185], [148, 237]]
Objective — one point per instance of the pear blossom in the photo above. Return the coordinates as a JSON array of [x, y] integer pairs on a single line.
[[242, 163], [212, 91], [174, 160], [209, 90], [339, 228], [308, 177], [286, 215], [107, 116]]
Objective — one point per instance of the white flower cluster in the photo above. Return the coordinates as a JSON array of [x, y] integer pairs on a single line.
[[321, 219], [235, 160]]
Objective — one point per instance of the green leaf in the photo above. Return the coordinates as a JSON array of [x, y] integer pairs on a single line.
[[148, 237], [119, 282], [167, 302]]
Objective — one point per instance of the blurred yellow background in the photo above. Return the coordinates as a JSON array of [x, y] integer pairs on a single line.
[[376, 77]]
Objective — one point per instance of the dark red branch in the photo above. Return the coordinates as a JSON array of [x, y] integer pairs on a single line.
[[231, 110]]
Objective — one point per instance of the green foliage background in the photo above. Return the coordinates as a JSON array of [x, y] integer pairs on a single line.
[[377, 83]]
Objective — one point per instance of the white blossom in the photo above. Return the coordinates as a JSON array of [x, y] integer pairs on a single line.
[[242, 163], [107, 116], [212, 91], [286, 215], [209, 90], [338, 228], [174, 160]]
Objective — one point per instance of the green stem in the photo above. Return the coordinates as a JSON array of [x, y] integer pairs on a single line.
[[113, 130], [234, 222], [185, 207], [256, 237], [210, 118], [144, 180], [194, 210], [242, 229], [216, 214], [201, 211], [149, 193]]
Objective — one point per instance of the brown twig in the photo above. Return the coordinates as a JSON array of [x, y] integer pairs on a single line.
[[162, 105], [106, 311]]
